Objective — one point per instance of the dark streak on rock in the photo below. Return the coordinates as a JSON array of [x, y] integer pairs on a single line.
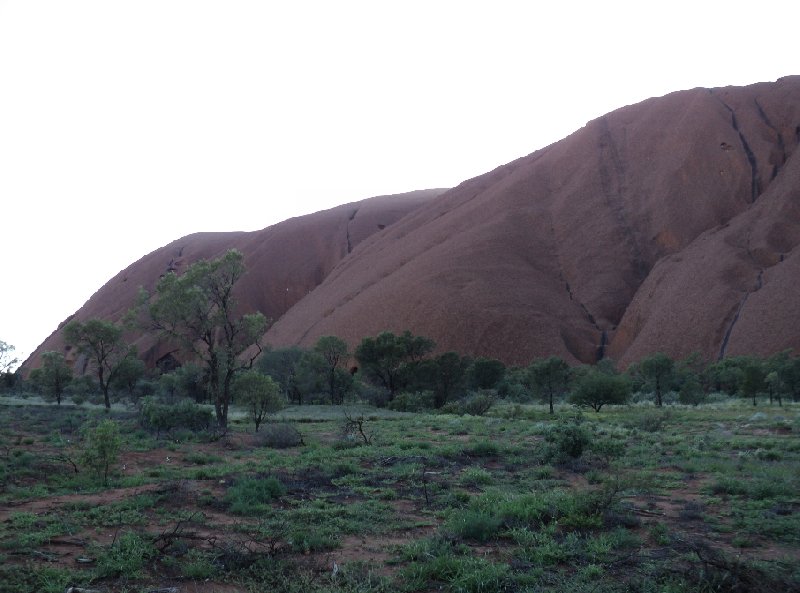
[[781, 157], [349, 220], [755, 181]]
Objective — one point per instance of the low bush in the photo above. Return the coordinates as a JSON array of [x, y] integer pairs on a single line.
[[475, 404], [126, 557], [412, 402], [166, 417], [250, 496], [473, 525], [281, 435], [567, 440]]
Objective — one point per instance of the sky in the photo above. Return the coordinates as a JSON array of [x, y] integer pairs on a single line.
[[127, 124]]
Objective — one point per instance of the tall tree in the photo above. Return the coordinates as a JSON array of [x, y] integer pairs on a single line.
[[53, 376], [486, 373], [129, 373], [335, 352], [549, 378], [754, 378], [101, 341], [658, 372], [384, 358], [198, 310], [445, 375], [282, 365]]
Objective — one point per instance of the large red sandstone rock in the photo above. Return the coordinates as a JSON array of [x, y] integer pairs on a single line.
[[285, 262], [546, 255], [668, 225]]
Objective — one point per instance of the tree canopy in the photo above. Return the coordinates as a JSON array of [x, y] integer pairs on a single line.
[[198, 310], [384, 358], [101, 341], [53, 376]]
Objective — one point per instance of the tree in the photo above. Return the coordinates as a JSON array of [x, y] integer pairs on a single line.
[[385, 358], [486, 373], [259, 394], [726, 375], [689, 378], [198, 311], [444, 375], [281, 364], [101, 341], [335, 353], [7, 358], [658, 373], [549, 378], [7, 362], [129, 372], [101, 447], [783, 376], [53, 376], [596, 388], [754, 378]]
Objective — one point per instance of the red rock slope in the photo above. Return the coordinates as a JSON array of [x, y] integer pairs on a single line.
[[667, 225], [285, 262]]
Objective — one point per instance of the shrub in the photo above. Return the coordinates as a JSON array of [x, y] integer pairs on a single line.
[[281, 436], [475, 404], [125, 557], [100, 447], [165, 417], [250, 496], [650, 421], [481, 449], [567, 440], [412, 402]]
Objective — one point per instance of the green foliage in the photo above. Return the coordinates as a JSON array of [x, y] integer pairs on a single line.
[[198, 565], [385, 359], [595, 388], [657, 373], [197, 309], [125, 557], [53, 377], [280, 435], [335, 353], [474, 404], [251, 496], [128, 374], [549, 378], [7, 358], [753, 379], [444, 376], [417, 401], [101, 341], [568, 440], [166, 417], [281, 364], [259, 394], [101, 447], [473, 525], [486, 373], [186, 381]]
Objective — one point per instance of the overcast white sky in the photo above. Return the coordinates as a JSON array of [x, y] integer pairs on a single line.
[[127, 124]]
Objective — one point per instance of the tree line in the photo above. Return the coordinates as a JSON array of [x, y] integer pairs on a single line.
[[227, 362]]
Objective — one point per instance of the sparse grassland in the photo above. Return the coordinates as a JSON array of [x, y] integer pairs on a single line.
[[630, 499]]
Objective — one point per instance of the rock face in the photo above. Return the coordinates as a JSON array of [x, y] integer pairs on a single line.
[[667, 225], [671, 225], [285, 262]]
